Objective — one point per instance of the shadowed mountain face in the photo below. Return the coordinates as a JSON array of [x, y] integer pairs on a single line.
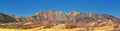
[[60, 17], [6, 18]]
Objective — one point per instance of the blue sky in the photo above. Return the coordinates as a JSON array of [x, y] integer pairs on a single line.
[[29, 7]]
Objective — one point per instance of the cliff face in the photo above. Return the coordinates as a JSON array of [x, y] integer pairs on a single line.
[[59, 17]]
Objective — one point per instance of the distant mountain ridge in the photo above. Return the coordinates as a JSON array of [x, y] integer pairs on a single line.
[[61, 17]]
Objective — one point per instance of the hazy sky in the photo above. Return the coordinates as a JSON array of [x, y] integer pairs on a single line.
[[29, 7]]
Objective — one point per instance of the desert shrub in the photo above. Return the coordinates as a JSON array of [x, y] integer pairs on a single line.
[[116, 26], [82, 24], [70, 25], [4, 26]]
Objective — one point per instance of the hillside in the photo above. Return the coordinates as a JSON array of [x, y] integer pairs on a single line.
[[52, 19]]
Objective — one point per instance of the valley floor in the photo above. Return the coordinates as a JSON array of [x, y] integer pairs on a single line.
[[106, 28]]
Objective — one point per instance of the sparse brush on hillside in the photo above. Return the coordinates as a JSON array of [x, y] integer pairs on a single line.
[[70, 25]]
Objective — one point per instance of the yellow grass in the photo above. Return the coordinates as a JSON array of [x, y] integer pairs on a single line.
[[60, 27], [38, 30], [51, 29]]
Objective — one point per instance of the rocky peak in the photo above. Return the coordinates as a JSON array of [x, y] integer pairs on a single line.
[[73, 13]]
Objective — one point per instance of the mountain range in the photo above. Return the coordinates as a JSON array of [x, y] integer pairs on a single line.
[[59, 17]]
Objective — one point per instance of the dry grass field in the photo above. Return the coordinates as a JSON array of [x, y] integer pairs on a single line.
[[60, 27]]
